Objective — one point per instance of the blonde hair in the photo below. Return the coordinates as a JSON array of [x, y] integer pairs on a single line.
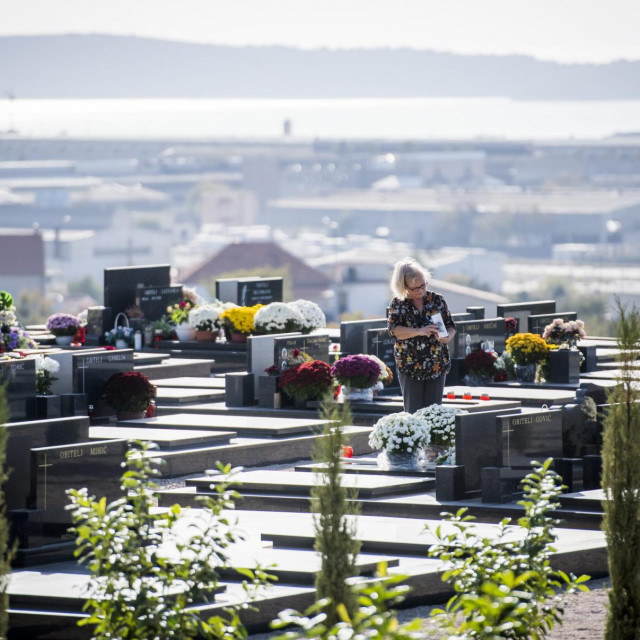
[[403, 271]]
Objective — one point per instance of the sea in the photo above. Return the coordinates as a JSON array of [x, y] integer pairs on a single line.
[[381, 118]]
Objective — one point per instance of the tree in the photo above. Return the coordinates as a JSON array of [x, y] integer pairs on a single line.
[[153, 571], [621, 484], [335, 516]]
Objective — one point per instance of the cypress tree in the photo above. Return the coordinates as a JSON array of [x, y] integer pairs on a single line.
[[621, 485], [5, 555], [334, 523]]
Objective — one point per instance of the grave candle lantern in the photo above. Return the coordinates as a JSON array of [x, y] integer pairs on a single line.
[[467, 395]]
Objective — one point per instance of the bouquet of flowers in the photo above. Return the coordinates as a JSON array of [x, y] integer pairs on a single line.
[[357, 371], [440, 422], [480, 366], [510, 325], [294, 358], [179, 312], [8, 317], [564, 334], [309, 380], [12, 338], [240, 319], [399, 433], [205, 317], [312, 315], [63, 324], [528, 348], [45, 368], [278, 317], [386, 375], [119, 333], [129, 391]]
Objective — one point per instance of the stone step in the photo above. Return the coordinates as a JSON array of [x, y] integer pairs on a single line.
[[175, 367]]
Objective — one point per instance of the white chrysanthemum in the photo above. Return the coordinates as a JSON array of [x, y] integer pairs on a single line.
[[398, 432], [440, 421], [8, 317], [312, 314], [278, 317], [384, 373], [205, 317], [44, 363], [83, 317]]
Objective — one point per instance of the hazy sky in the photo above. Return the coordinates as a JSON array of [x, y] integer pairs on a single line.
[[564, 30]]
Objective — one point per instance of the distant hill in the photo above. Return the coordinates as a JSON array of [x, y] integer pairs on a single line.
[[100, 66]]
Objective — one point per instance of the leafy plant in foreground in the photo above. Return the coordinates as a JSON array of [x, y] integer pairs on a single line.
[[154, 569], [505, 586]]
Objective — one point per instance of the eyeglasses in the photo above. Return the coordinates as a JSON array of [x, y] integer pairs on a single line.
[[416, 289]]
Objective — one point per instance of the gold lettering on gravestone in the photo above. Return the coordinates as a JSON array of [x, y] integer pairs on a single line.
[[71, 453], [92, 360], [116, 357], [544, 418], [98, 451], [517, 421]]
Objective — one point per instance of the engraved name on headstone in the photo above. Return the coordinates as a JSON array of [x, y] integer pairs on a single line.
[[249, 291], [472, 335], [155, 300], [537, 323], [522, 310]]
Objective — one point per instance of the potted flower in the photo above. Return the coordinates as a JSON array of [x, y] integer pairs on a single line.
[[239, 321], [45, 368], [440, 422], [277, 317], [312, 315], [308, 381], [527, 350], [130, 393], [565, 361], [399, 437], [179, 316], [63, 326], [205, 319], [8, 317], [15, 338], [480, 366], [357, 374], [120, 337]]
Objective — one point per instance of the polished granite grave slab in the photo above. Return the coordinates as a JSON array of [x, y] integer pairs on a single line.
[[529, 396], [367, 465], [164, 438], [181, 395], [191, 382], [292, 483], [244, 425], [584, 500]]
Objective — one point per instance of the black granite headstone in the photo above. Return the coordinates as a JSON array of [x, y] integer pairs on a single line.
[[353, 334], [316, 346], [472, 335], [20, 378], [564, 366], [478, 444], [522, 310], [91, 372], [380, 343], [530, 436], [96, 465], [155, 300], [478, 312], [249, 291], [122, 284], [537, 323]]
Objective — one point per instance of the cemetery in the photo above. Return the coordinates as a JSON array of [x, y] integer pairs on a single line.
[[220, 398]]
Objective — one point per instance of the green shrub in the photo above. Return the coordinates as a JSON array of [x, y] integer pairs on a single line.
[[505, 587]]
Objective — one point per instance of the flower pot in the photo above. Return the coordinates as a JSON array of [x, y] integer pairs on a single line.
[[185, 332], [64, 341], [354, 394], [525, 372], [236, 336], [206, 336], [130, 415], [121, 344], [399, 461]]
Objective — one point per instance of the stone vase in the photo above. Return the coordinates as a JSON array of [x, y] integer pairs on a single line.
[[64, 341], [185, 332], [354, 394], [399, 461], [526, 372], [121, 344]]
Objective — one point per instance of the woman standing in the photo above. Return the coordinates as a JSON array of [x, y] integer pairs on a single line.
[[421, 323]]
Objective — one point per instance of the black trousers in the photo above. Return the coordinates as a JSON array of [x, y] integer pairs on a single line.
[[417, 394]]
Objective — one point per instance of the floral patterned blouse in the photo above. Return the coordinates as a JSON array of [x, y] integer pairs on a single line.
[[421, 357]]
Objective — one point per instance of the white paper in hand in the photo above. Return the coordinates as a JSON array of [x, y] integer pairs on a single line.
[[436, 319]]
